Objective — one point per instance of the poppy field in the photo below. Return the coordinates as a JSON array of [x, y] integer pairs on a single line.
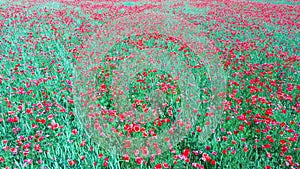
[[150, 84]]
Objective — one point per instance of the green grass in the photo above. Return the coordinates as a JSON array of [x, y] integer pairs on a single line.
[[50, 58]]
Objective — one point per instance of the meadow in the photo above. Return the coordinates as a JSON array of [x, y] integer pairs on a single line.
[[63, 75]]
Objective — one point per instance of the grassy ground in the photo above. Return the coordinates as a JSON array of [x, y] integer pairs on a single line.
[[258, 45]]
